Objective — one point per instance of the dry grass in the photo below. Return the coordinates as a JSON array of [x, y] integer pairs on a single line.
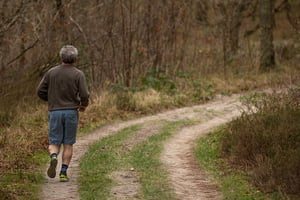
[[20, 141], [147, 100]]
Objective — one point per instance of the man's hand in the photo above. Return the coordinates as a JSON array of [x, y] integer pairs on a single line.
[[81, 108]]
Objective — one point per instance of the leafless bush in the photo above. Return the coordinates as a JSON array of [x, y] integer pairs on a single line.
[[266, 143]]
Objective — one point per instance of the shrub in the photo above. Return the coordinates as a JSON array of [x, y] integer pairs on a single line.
[[159, 81], [201, 91], [266, 142], [123, 97]]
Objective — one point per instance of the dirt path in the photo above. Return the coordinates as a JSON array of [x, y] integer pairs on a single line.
[[189, 182], [177, 157]]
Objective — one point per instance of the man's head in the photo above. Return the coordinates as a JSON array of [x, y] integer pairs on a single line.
[[68, 54]]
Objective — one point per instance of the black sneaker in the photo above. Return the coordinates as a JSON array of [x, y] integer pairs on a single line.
[[52, 168]]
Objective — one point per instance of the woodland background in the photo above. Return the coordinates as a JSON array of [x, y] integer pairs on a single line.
[[144, 56], [121, 41]]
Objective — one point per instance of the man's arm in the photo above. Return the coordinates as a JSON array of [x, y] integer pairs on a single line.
[[83, 93], [42, 90]]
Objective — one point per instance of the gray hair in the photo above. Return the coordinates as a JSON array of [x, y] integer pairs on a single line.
[[68, 54]]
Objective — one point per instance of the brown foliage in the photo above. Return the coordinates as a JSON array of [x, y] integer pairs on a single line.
[[266, 143]]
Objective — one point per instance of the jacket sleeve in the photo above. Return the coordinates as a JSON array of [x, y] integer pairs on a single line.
[[42, 90], [83, 91]]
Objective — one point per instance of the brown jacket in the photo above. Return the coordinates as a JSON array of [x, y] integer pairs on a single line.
[[64, 87]]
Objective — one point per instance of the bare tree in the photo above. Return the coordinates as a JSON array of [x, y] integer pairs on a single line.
[[292, 15], [232, 13], [7, 21], [120, 41], [267, 55]]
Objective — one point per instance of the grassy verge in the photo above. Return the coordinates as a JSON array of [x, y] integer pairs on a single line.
[[109, 155], [26, 181], [26, 188], [233, 183]]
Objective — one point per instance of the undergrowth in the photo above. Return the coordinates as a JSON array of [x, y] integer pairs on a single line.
[[265, 142], [232, 183]]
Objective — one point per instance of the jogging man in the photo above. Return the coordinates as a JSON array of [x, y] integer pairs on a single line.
[[65, 89]]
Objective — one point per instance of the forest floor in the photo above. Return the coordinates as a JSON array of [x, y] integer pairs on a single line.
[[178, 157]]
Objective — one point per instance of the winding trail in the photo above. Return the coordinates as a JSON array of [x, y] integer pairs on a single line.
[[188, 180]]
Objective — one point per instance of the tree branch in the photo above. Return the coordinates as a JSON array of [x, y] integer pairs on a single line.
[[23, 52], [80, 30], [13, 20]]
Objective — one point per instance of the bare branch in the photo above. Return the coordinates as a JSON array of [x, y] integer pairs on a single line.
[[281, 6], [80, 30], [23, 52], [10, 24], [252, 31], [13, 20]]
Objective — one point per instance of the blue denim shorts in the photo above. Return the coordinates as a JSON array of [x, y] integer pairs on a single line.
[[63, 126]]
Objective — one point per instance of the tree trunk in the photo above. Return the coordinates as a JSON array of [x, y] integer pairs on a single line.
[[267, 55], [61, 26], [232, 17]]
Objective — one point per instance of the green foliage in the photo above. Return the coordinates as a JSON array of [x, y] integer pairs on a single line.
[[181, 89], [201, 91], [267, 142], [159, 81], [118, 88]]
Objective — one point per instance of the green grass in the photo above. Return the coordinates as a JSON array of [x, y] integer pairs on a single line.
[[103, 158], [26, 185], [26, 182], [145, 158], [233, 183], [109, 155]]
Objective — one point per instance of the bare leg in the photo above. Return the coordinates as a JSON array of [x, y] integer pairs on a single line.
[[53, 163], [54, 149], [67, 154]]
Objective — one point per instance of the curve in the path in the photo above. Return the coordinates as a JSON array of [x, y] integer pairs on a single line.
[[188, 180], [54, 190]]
